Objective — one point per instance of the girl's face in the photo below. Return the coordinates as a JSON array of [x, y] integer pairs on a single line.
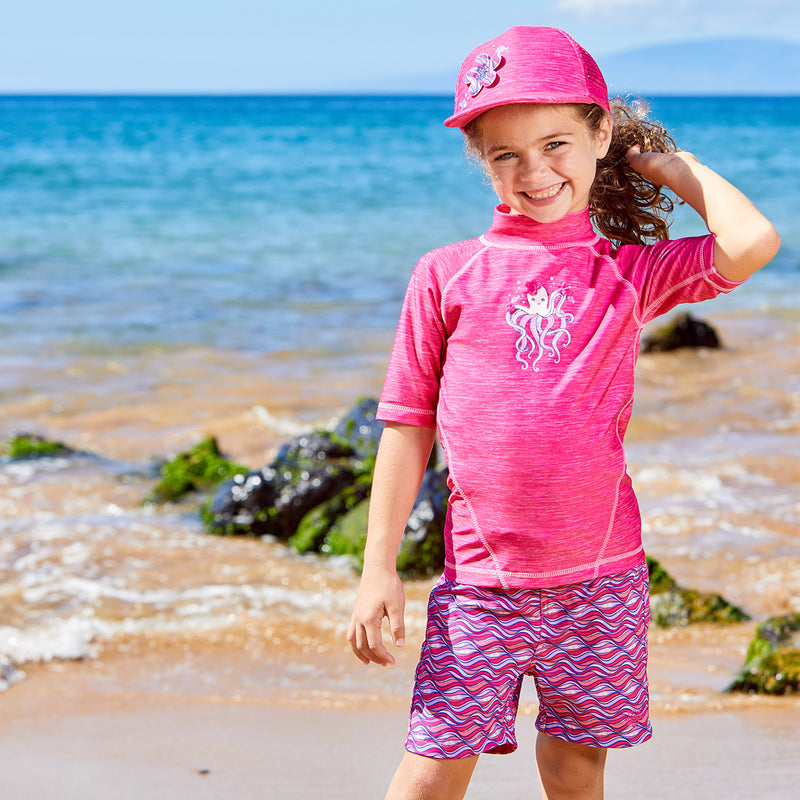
[[542, 158]]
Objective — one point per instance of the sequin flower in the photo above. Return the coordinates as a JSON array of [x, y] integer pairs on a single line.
[[484, 73]]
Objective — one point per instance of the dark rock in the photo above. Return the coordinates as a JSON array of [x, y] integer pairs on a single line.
[[272, 502], [673, 606], [239, 506], [315, 495], [683, 331], [311, 450], [308, 472], [772, 663], [422, 547], [360, 429]]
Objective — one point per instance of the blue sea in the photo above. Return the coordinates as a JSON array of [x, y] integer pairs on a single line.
[[267, 224], [177, 267]]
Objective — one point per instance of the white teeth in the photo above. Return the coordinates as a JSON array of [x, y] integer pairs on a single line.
[[544, 194]]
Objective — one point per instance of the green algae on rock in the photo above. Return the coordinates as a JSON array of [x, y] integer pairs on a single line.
[[348, 534], [317, 525], [198, 469], [772, 663], [673, 606], [29, 445], [421, 549]]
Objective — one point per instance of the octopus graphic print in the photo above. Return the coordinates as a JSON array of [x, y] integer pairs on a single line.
[[541, 324]]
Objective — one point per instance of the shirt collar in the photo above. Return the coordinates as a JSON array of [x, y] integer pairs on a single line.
[[511, 229]]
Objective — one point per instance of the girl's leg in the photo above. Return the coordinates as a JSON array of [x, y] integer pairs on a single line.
[[422, 778], [570, 771]]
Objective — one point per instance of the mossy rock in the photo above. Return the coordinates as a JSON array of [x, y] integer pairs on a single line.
[[422, 547], [315, 526], [348, 535], [424, 556], [314, 451], [660, 579], [673, 606], [360, 428], [313, 477], [772, 663], [29, 445], [311, 451], [199, 469], [683, 331]]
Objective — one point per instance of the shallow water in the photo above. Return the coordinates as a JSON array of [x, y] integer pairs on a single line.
[[87, 571]]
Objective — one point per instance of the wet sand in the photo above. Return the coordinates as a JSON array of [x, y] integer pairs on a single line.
[[97, 743]]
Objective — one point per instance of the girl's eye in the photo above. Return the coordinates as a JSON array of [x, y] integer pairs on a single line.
[[503, 156], [554, 145]]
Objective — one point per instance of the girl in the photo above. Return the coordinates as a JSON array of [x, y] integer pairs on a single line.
[[519, 348]]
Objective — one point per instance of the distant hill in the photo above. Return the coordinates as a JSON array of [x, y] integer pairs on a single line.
[[741, 66], [721, 66]]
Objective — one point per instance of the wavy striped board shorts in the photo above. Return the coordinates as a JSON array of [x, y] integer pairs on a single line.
[[584, 644]]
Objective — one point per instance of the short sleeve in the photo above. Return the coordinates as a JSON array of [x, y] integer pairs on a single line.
[[411, 389], [672, 272]]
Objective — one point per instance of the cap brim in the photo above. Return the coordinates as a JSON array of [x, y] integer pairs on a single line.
[[465, 117]]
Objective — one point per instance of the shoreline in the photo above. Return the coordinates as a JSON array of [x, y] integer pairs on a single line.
[[127, 743]]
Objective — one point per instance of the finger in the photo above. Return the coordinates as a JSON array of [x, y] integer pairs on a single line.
[[376, 649], [397, 625], [633, 152], [351, 639]]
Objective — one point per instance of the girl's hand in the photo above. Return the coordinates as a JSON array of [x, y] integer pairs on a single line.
[[380, 595], [745, 238], [659, 167]]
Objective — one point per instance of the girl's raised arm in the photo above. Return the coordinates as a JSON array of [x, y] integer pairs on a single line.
[[402, 457], [746, 239]]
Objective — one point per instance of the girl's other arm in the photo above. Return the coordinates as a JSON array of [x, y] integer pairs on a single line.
[[746, 239], [402, 457]]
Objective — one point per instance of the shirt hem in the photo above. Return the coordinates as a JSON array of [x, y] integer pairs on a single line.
[[406, 415], [505, 579]]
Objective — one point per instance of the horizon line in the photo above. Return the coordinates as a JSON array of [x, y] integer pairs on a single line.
[[351, 93]]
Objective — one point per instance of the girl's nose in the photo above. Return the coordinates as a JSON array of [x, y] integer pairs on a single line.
[[533, 166]]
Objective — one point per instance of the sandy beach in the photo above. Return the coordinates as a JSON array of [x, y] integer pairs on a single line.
[[89, 741]]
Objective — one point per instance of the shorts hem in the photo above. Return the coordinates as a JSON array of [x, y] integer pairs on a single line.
[[613, 741], [465, 750]]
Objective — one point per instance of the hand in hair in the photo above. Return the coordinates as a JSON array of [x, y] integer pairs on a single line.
[[746, 240], [627, 208]]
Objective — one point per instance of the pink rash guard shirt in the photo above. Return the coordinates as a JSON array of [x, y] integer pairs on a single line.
[[519, 347]]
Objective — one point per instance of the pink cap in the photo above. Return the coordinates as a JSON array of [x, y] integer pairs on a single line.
[[526, 65]]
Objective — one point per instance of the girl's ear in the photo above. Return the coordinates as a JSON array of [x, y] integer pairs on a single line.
[[603, 136]]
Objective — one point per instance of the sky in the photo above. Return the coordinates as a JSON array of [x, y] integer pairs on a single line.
[[286, 46]]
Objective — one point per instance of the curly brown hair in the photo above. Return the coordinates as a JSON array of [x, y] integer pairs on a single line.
[[626, 208]]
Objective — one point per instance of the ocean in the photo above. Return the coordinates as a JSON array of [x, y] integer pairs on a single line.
[[175, 267]]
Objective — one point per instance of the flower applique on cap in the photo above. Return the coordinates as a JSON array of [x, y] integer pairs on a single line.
[[484, 72]]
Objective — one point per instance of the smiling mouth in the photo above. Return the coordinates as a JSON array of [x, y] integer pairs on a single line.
[[544, 195]]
